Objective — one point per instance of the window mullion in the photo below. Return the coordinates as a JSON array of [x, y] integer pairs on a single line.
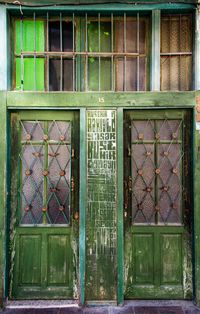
[[155, 52]]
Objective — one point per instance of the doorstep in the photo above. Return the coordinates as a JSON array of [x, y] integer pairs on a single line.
[[71, 307]]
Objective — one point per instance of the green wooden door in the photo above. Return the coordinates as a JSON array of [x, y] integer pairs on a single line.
[[157, 204], [44, 205]]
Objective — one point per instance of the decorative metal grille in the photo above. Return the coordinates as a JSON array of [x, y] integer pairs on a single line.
[[156, 163], [81, 53], [45, 183], [176, 52]]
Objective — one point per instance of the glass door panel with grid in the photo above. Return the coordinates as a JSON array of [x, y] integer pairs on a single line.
[[156, 204], [44, 204]]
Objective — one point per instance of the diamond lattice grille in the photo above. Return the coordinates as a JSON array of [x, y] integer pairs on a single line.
[[156, 159], [45, 160]]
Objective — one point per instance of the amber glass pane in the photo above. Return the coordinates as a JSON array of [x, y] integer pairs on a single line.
[[130, 74], [176, 33], [176, 39], [133, 29], [176, 72]]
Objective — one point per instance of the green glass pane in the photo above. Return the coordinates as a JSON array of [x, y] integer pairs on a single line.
[[94, 35], [105, 74], [29, 66], [32, 34], [18, 74]]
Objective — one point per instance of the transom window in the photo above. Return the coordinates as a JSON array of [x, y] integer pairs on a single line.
[[176, 52], [88, 53]]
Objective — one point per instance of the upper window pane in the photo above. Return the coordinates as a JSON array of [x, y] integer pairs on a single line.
[[176, 52]]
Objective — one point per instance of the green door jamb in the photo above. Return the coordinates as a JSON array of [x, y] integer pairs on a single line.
[[155, 51], [83, 191], [3, 48], [197, 51], [3, 196], [120, 238], [196, 234]]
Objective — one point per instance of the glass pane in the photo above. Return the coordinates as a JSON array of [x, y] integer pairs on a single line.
[[55, 39], [143, 182], [169, 130], [32, 130], [104, 75], [29, 35], [99, 32], [142, 130], [131, 35], [186, 34], [54, 36], [33, 73], [169, 183], [32, 160], [176, 33], [176, 72], [54, 74], [59, 165], [59, 131], [67, 30], [68, 74], [135, 70]]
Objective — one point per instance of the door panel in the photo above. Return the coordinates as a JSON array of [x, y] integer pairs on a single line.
[[157, 204], [44, 203]]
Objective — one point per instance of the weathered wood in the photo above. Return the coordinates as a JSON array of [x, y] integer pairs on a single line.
[[134, 100], [3, 198], [78, 2]]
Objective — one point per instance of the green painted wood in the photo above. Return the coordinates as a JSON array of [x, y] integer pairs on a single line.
[[3, 49], [196, 232], [132, 100], [29, 72], [155, 51], [171, 259], [3, 213], [83, 192], [115, 7], [30, 259], [29, 36], [33, 74], [143, 267], [101, 217], [58, 260], [120, 231], [156, 263]]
